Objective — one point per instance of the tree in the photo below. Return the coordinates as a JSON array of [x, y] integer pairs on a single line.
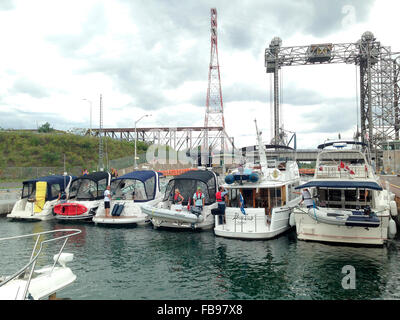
[[45, 128]]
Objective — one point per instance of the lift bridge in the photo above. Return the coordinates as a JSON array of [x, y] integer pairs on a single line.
[[378, 79]]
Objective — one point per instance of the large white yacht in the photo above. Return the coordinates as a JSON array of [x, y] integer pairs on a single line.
[[260, 201], [349, 204]]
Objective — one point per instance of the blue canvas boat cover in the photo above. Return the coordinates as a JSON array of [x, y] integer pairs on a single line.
[[341, 185], [51, 180], [139, 175]]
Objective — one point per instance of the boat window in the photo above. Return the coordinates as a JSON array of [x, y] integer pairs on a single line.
[[350, 195], [276, 200], [83, 189], [150, 186], [187, 189], [101, 187], [55, 190], [28, 189], [248, 197], [334, 195], [233, 198], [128, 189], [293, 193], [343, 198]]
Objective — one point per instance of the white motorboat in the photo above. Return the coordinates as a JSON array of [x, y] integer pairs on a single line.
[[85, 197], [129, 192], [39, 196], [31, 283], [260, 201], [185, 216], [349, 204]]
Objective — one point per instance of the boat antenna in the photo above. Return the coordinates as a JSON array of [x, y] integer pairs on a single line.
[[261, 150]]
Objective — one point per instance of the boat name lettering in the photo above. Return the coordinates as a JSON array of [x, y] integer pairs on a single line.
[[241, 216]]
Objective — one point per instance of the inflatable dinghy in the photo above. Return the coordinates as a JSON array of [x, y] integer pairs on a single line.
[[348, 218], [174, 214]]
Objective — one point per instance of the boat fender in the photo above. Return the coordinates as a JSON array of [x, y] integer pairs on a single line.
[[229, 179], [253, 177], [392, 230], [393, 208], [292, 221]]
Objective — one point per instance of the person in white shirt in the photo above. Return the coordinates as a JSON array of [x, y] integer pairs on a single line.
[[307, 198], [107, 200]]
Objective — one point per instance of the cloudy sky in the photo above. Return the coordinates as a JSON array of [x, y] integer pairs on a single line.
[[153, 57]]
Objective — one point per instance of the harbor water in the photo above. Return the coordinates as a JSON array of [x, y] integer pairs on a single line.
[[140, 263]]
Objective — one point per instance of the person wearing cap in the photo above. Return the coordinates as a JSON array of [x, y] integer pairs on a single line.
[[307, 198], [199, 199]]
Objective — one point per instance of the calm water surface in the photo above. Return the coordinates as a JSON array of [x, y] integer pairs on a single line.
[[114, 263]]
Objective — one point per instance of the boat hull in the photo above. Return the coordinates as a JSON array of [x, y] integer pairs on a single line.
[[23, 210], [308, 228]]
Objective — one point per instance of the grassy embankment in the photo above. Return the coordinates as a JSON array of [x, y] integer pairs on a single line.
[[32, 149]]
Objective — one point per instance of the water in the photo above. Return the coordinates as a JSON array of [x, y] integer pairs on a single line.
[[120, 263]]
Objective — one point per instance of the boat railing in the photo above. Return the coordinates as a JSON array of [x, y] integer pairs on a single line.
[[38, 249], [337, 172], [240, 219]]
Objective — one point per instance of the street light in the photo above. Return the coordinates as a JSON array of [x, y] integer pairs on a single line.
[[90, 114], [146, 115]]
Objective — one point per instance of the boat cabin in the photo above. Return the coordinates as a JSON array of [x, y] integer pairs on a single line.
[[54, 185], [343, 194], [188, 182], [140, 186], [262, 197], [89, 187]]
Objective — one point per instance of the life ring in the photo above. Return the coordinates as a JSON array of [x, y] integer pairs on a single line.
[[275, 174]]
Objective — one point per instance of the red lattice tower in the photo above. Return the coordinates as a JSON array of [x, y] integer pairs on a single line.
[[214, 105]]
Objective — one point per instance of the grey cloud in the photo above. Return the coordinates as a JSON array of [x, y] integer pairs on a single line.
[[332, 117], [70, 44], [18, 119], [23, 85]]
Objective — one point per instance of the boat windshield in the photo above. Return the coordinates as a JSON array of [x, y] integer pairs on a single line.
[[84, 189], [187, 189], [28, 190], [133, 189]]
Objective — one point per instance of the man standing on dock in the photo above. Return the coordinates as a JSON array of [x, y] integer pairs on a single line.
[[107, 200]]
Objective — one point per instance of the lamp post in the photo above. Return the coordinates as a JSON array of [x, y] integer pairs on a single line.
[[146, 115], [90, 114]]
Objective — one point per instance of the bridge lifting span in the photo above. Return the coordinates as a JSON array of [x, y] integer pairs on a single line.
[[379, 82]]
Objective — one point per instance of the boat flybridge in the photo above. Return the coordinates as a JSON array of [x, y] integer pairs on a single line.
[[129, 192], [260, 201], [85, 197], [168, 214], [349, 204], [30, 283], [39, 196]]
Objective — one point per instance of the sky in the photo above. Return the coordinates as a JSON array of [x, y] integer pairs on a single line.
[[152, 57]]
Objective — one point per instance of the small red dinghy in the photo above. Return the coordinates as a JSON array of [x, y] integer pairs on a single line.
[[70, 209]]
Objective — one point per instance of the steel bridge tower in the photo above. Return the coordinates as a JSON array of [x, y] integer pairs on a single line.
[[214, 116], [379, 88]]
